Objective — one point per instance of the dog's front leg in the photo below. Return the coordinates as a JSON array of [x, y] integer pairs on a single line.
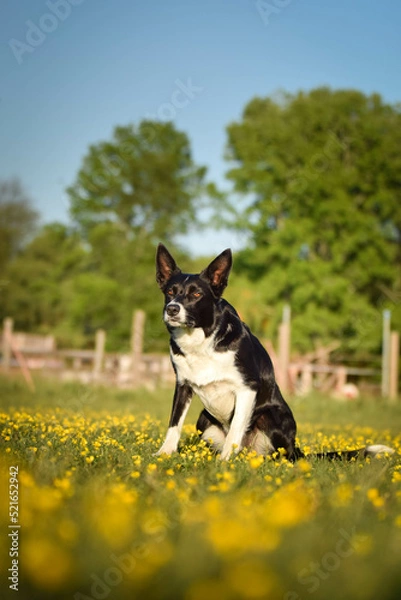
[[181, 403], [244, 403]]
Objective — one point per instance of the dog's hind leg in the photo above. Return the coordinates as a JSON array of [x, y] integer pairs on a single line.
[[211, 430]]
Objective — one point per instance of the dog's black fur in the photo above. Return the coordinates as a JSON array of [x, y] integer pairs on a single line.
[[215, 355]]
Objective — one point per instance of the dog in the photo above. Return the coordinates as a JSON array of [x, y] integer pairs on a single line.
[[216, 356]]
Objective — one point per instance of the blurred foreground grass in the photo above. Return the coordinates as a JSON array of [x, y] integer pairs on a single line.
[[102, 517]]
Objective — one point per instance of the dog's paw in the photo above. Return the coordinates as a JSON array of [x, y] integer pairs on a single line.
[[165, 451], [229, 450]]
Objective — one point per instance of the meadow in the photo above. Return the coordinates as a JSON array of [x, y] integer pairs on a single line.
[[101, 517]]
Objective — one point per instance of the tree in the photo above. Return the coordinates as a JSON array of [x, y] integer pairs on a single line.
[[18, 220], [144, 180], [37, 283], [321, 174]]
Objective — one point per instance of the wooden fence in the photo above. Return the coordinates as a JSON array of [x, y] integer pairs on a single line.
[[300, 376], [33, 353]]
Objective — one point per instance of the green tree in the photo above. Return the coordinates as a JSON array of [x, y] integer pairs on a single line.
[[18, 220], [118, 277], [320, 172], [143, 179], [137, 189], [37, 283]]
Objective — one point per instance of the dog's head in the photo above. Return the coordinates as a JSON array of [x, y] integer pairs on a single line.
[[190, 300]]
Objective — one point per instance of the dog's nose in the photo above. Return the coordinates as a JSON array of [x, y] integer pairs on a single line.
[[172, 310]]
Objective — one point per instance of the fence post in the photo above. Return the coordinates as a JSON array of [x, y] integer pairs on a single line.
[[386, 353], [306, 380], [100, 343], [394, 358], [7, 342], [138, 327], [284, 346], [341, 379]]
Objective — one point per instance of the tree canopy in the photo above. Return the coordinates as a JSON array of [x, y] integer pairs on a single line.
[[18, 220], [321, 174], [316, 188], [143, 180], [134, 190]]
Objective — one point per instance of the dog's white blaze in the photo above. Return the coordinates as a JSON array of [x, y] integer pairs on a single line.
[[212, 375]]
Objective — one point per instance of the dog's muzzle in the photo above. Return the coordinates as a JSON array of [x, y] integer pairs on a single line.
[[173, 309], [175, 314]]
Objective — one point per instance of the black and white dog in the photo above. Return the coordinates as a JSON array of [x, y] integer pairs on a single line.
[[215, 355]]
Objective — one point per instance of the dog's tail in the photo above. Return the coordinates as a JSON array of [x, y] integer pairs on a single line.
[[369, 451]]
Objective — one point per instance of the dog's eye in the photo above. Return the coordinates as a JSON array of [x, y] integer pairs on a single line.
[[197, 294], [170, 293]]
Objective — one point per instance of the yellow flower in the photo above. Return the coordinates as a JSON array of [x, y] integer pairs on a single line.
[[304, 466], [38, 555], [256, 462], [343, 495], [375, 498]]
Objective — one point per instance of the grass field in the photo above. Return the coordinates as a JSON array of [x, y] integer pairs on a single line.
[[101, 517]]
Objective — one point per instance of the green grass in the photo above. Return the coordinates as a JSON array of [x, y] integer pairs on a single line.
[[102, 517]]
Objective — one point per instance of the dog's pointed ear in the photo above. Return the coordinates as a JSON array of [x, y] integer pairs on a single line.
[[216, 274], [165, 266]]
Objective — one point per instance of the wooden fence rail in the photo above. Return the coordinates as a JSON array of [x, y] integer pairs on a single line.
[[133, 369]]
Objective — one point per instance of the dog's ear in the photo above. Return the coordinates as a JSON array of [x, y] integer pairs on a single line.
[[216, 274], [165, 266]]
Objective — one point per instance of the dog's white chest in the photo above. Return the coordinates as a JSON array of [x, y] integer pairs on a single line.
[[212, 375]]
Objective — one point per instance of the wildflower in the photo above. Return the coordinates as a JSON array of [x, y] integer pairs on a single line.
[[256, 462], [343, 495], [375, 498], [304, 466], [37, 555]]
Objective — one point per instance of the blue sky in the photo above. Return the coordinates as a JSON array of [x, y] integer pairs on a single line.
[[68, 79]]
